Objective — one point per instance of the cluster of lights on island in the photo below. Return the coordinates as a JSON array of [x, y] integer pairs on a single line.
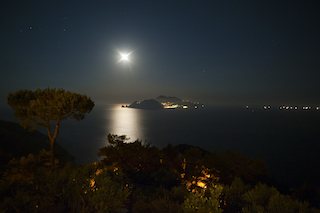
[[169, 105], [183, 104]]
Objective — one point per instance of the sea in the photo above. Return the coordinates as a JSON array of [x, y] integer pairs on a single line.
[[288, 140]]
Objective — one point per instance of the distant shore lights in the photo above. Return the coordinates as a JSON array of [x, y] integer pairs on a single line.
[[288, 107], [267, 107]]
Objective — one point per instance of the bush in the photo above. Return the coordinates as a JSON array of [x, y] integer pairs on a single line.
[[198, 201]]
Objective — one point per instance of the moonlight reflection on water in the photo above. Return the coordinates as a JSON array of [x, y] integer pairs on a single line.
[[125, 121]]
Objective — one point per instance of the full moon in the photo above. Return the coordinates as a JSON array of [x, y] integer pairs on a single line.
[[124, 57]]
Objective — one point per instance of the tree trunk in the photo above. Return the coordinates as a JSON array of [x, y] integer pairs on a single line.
[[52, 153], [52, 145]]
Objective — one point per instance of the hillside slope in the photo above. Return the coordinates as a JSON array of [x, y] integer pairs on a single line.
[[16, 142]]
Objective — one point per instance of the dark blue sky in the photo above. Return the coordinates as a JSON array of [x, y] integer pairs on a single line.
[[212, 51]]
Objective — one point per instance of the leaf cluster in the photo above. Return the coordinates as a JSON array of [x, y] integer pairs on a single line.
[[38, 108]]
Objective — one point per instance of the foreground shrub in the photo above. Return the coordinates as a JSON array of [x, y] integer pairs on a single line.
[[68, 189], [203, 201]]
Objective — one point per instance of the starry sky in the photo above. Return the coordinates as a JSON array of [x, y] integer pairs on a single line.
[[217, 52]]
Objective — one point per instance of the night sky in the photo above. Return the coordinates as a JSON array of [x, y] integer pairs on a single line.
[[234, 52]]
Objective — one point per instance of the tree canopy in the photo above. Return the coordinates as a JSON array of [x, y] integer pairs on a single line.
[[42, 107]]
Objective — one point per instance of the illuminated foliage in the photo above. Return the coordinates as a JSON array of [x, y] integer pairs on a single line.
[[104, 194], [260, 194], [199, 201], [42, 107], [68, 189]]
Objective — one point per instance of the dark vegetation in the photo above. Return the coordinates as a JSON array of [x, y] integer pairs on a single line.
[[138, 177], [17, 142], [132, 176]]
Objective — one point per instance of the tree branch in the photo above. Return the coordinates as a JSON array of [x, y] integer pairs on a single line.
[[56, 131]]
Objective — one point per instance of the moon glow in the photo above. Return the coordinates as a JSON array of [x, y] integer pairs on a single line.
[[124, 56]]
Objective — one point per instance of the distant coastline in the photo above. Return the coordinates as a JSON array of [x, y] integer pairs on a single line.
[[165, 102]]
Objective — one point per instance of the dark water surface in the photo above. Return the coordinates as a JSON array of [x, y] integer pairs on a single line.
[[289, 141]]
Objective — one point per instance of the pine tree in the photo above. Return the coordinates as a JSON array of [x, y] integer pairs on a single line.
[[43, 107]]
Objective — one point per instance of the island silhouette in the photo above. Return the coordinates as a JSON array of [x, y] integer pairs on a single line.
[[165, 102]]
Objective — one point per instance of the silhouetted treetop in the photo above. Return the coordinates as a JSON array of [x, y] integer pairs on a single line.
[[41, 107]]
